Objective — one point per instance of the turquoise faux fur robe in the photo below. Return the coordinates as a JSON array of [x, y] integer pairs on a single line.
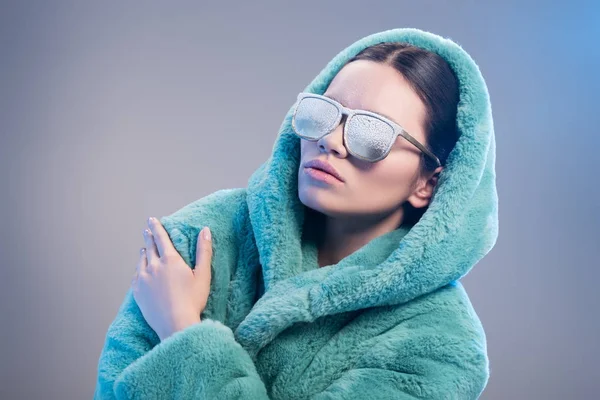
[[389, 321]]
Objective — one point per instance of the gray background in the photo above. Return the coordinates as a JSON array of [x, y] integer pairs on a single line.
[[113, 112]]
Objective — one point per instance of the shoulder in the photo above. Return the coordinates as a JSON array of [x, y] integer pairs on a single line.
[[437, 337], [218, 206], [443, 316], [445, 311], [225, 212], [451, 308]]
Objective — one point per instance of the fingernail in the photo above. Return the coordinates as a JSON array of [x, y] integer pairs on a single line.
[[150, 221], [206, 233]]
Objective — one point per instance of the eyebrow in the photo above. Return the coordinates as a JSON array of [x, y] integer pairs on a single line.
[[364, 109]]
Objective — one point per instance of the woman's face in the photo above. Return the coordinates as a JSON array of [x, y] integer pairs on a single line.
[[368, 188]]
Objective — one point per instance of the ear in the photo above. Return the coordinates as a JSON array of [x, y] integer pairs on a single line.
[[423, 189]]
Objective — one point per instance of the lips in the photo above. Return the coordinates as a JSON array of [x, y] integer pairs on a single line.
[[323, 166]]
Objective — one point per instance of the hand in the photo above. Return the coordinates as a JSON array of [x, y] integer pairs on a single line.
[[170, 294]]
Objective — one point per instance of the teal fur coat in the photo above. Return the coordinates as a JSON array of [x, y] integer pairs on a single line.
[[389, 321]]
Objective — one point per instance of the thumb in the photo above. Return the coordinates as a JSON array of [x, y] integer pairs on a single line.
[[203, 256]]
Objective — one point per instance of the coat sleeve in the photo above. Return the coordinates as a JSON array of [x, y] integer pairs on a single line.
[[202, 361]]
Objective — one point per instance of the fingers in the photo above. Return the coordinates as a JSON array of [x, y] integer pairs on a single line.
[[141, 266], [151, 250], [161, 237], [204, 252], [203, 246]]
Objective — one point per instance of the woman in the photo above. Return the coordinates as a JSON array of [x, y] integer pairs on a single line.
[[329, 285]]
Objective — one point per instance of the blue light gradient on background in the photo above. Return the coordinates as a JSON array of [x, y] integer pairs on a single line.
[[115, 111]]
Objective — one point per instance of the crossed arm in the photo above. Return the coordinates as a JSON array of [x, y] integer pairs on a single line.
[[204, 361]]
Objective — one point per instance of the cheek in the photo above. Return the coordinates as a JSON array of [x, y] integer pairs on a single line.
[[390, 179], [398, 171], [307, 147]]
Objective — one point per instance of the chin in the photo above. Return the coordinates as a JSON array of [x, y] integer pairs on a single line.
[[309, 198], [319, 201]]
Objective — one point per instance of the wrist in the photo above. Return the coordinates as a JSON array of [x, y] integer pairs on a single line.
[[181, 325]]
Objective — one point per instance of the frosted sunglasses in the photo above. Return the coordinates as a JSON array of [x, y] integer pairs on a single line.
[[367, 135]]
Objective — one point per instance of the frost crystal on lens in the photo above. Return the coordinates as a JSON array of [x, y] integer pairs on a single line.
[[315, 117], [368, 137]]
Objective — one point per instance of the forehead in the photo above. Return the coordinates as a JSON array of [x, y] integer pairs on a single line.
[[371, 86]]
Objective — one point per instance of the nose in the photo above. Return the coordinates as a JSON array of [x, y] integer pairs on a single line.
[[334, 140]]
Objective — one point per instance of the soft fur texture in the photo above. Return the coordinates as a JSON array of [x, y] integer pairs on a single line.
[[389, 321]]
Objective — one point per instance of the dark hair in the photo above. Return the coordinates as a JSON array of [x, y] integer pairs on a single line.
[[435, 83]]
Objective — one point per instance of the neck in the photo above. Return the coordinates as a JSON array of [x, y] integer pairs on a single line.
[[342, 236]]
